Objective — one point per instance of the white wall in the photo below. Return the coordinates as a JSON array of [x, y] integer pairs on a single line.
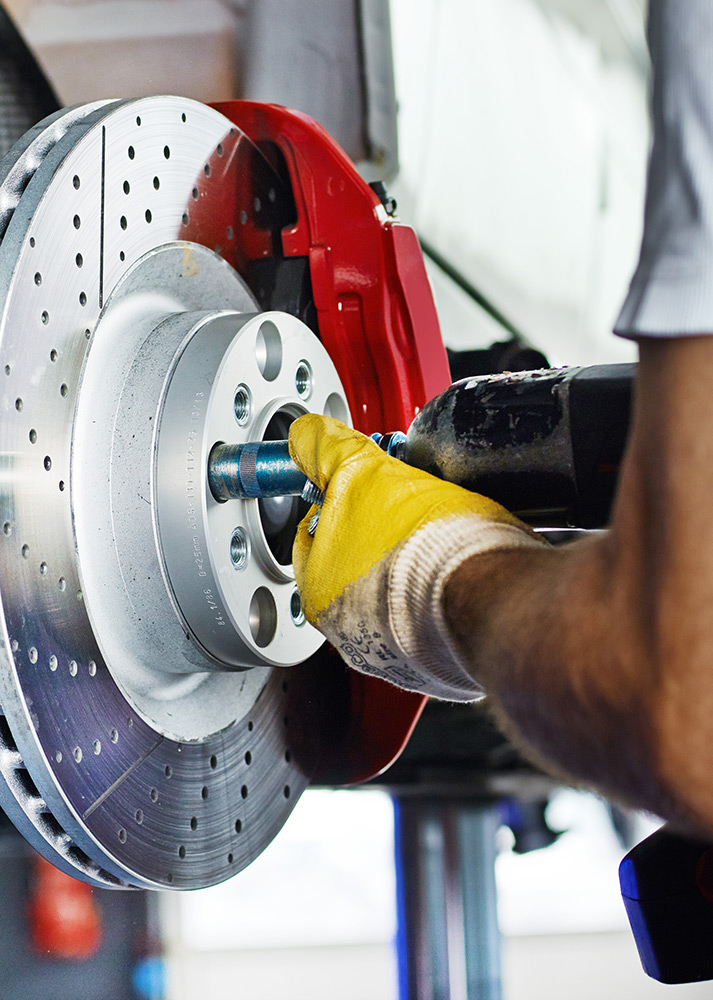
[[523, 144]]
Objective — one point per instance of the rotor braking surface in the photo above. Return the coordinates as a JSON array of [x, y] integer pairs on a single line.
[[137, 748]]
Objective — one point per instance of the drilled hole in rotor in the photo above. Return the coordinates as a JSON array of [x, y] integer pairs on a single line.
[[250, 727], [97, 747], [213, 762], [78, 754], [204, 792], [76, 181], [92, 668], [181, 851], [7, 528], [238, 825], [280, 516], [47, 463], [244, 791], [77, 222], [230, 859], [43, 569], [184, 218], [138, 120], [114, 736], [248, 758], [82, 298], [7, 369], [25, 551], [288, 756], [53, 355], [230, 233], [123, 222], [122, 836], [73, 668], [127, 187], [18, 404], [156, 183], [219, 149], [32, 654], [62, 583], [53, 662], [153, 794], [63, 389], [45, 317], [147, 215], [168, 770], [139, 816], [132, 152], [167, 152], [194, 823], [33, 436], [122, 255], [286, 791], [206, 169], [61, 486], [38, 278], [194, 194], [243, 217]]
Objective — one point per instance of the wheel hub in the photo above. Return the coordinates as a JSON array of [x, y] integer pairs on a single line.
[[144, 738]]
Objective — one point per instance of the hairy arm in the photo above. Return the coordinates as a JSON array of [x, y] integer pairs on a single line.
[[598, 657]]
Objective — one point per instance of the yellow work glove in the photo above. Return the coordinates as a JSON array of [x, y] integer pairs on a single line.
[[372, 575]]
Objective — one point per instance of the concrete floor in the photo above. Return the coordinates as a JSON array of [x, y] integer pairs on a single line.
[[557, 967]]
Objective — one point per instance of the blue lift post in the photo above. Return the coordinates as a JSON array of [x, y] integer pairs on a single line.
[[448, 939]]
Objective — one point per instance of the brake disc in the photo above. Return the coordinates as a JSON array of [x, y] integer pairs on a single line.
[[145, 739]]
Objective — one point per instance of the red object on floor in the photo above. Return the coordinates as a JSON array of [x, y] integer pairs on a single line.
[[64, 918]]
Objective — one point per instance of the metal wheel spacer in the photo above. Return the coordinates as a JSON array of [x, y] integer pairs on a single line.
[[100, 780]]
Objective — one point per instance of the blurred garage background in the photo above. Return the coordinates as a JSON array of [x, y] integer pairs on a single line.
[[513, 135]]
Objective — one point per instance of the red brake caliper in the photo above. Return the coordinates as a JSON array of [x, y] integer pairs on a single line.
[[376, 317]]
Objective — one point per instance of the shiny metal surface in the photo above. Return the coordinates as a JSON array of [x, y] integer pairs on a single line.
[[90, 777], [168, 681], [254, 470], [239, 613]]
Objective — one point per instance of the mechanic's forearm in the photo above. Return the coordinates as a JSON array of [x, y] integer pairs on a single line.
[[553, 640], [599, 656]]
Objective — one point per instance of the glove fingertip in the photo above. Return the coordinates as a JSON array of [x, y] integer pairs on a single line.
[[319, 445]]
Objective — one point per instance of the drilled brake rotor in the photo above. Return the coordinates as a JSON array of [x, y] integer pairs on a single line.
[[145, 736]]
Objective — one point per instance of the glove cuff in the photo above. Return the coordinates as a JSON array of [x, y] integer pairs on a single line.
[[419, 573]]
